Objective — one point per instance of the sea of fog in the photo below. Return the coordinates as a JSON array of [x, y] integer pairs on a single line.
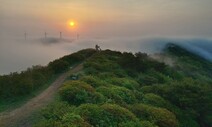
[[19, 54]]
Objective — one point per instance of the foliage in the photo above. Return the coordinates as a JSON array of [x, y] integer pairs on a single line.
[[56, 111], [93, 81], [118, 94], [140, 62], [123, 82], [156, 100], [123, 89], [78, 92], [189, 95], [186, 93], [21, 84], [117, 114], [160, 116], [15, 86], [137, 124], [92, 113], [60, 115], [155, 94], [59, 66], [104, 115]]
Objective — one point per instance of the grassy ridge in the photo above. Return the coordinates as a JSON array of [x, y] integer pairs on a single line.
[[17, 88], [133, 90]]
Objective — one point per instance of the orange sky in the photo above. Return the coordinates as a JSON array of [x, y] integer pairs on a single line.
[[109, 17]]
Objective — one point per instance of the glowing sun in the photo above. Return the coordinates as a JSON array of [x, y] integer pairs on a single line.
[[72, 23]]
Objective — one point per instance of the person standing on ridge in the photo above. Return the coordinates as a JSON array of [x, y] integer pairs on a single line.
[[98, 48]]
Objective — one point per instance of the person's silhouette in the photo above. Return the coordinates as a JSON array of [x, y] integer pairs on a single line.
[[98, 48]]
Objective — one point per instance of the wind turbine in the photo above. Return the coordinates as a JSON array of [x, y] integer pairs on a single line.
[[45, 35], [60, 35], [25, 35]]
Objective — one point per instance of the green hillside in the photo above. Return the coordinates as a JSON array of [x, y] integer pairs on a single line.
[[117, 89], [133, 90], [17, 88]]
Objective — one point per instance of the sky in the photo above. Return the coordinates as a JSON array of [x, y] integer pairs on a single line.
[[108, 18], [124, 25]]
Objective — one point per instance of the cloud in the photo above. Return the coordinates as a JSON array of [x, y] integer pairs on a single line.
[[53, 40]]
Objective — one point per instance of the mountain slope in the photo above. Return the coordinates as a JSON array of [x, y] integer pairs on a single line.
[[188, 62], [17, 88], [19, 115], [125, 89]]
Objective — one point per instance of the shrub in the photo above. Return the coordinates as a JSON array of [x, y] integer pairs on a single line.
[[101, 64], [59, 66], [189, 94], [131, 124], [124, 82], [93, 81], [60, 115], [92, 114], [48, 123], [146, 79], [56, 111], [160, 116], [117, 114], [73, 120], [148, 124], [156, 100], [106, 75], [118, 94], [77, 92], [137, 124], [78, 56], [106, 115]]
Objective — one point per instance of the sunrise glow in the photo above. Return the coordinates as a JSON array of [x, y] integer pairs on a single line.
[[72, 23]]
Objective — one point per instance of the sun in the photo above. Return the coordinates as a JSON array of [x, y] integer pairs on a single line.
[[72, 23]]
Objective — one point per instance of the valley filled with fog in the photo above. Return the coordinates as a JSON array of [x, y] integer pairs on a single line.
[[19, 54]]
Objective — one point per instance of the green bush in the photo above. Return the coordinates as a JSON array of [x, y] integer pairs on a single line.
[[93, 81], [60, 115], [48, 123], [101, 64], [18, 85], [77, 92], [153, 77], [59, 66], [106, 75], [78, 56], [137, 124], [118, 94], [131, 124], [73, 120], [148, 124], [106, 115], [117, 114], [160, 116], [56, 111], [92, 114], [146, 79], [189, 95], [124, 82], [156, 100]]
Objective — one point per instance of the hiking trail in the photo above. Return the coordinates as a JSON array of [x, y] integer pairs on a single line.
[[19, 115]]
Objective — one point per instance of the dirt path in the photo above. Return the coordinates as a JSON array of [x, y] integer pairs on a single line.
[[8, 119]]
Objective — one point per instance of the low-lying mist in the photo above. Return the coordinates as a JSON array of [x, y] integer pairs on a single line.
[[19, 54]]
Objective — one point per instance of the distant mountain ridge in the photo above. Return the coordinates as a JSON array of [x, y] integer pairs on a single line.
[[178, 50]]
